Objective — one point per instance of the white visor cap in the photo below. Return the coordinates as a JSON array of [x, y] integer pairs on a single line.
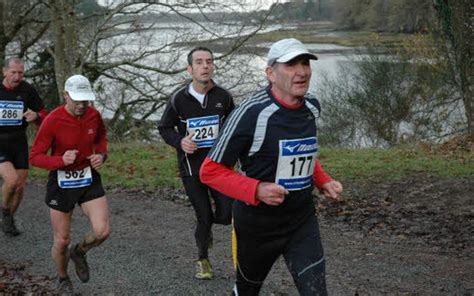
[[79, 88], [285, 50]]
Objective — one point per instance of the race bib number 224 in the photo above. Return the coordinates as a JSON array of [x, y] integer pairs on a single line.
[[205, 130]]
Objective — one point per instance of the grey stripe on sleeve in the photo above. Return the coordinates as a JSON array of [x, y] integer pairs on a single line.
[[312, 108], [232, 122], [261, 127]]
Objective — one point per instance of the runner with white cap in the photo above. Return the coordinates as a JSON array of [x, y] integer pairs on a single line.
[[273, 136], [76, 135]]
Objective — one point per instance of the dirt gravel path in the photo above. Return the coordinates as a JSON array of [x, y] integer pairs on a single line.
[[151, 252]]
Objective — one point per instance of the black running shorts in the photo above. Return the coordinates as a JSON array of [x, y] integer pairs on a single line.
[[65, 200], [14, 148]]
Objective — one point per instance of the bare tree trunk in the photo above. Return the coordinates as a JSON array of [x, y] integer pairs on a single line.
[[462, 21], [66, 57], [457, 20], [3, 37]]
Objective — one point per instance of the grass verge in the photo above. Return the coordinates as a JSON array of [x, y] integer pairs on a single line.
[[136, 166], [397, 163]]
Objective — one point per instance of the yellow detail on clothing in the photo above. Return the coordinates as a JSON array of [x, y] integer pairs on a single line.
[[234, 246]]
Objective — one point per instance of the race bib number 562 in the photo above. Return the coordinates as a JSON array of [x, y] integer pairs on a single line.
[[205, 130], [296, 161], [75, 179]]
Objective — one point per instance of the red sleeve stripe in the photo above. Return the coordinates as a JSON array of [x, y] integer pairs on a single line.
[[229, 182]]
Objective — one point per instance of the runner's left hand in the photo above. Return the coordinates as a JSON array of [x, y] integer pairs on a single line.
[[30, 115], [332, 190], [96, 160]]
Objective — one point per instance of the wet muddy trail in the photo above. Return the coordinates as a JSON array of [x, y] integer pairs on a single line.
[[414, 236]]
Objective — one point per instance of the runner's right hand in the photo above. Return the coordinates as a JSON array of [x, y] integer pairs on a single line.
[[69, 156], [188, 145], [271, 193]]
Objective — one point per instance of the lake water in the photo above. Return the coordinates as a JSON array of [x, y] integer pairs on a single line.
[[330, 59], [165, 48], [242, 74]]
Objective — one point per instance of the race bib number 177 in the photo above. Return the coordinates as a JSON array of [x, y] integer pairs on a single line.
[[296, 161]]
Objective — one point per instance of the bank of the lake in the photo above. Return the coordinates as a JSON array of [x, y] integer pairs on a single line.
[[138, 166]]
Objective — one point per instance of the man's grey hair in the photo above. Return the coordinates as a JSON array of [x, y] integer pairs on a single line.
[[12, 60]]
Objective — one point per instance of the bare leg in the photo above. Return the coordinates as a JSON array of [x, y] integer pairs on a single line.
[[20, 188], [10, 183], [12, 192], [98, 213], [61, 223]]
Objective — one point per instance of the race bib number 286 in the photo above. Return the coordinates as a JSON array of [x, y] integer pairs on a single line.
[[296, 161], [11, 113]]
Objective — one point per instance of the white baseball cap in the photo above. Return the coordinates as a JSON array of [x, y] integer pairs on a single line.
[[285, 50], [79, 88]]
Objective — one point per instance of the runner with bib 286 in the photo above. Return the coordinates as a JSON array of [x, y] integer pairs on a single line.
[[20, 105]]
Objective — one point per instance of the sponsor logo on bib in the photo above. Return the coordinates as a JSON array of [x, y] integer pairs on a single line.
[[75, 179], [205, 130], [296, 161]]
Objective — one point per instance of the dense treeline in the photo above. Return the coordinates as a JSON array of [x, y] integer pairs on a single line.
[[402, 16], [419, 89], [135, 59]]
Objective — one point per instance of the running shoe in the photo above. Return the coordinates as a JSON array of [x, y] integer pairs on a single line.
[[8, 226], [204, 270], [80, 262], [64, 286]]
